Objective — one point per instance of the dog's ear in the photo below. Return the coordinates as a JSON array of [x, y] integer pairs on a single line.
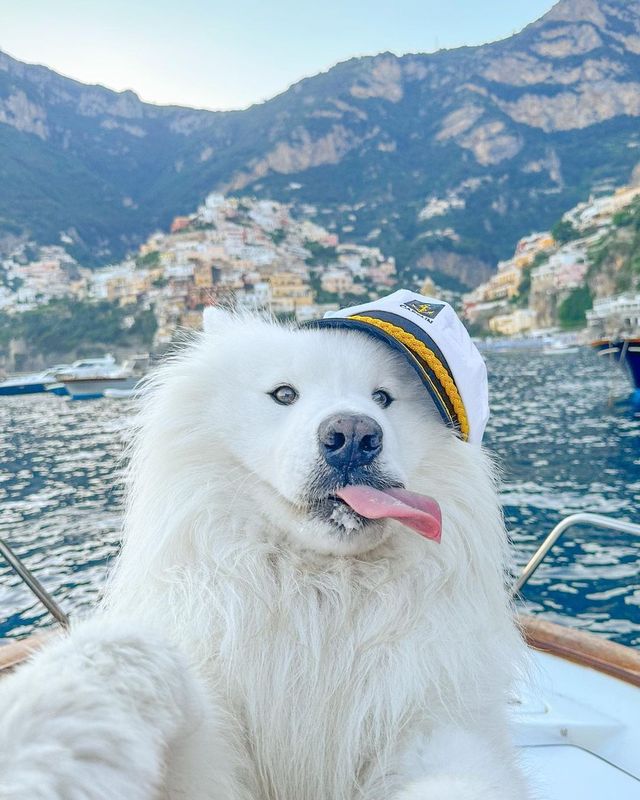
[[215, 319]]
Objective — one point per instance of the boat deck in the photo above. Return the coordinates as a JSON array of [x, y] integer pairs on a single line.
[[577, 717], [575, 720]]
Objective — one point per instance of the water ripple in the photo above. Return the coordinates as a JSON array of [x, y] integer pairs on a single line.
[[565, 438], [568, 441]]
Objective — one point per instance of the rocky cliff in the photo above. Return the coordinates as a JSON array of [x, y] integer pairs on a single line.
[[443, 159]]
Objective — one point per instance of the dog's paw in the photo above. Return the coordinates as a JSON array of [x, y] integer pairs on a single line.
[[95, 715], [449, 787]]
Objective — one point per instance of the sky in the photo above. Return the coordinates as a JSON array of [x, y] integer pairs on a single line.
[[225, 55]]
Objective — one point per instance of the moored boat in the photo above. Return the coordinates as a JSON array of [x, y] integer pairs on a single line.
[[90, 378], [33, 383], [120, 394], [23, 384], [626, 352], [558, 347], [614, 324]]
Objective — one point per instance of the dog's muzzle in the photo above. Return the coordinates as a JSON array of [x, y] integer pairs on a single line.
[[349, 441]]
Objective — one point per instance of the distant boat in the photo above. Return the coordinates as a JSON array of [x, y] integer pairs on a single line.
[[23, 384], [120, 394], [615, 324], [559, 348], [34, 383], [626, 352], [89, 378]]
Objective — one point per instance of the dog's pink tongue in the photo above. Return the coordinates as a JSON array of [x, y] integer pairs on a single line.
[[416, 511]]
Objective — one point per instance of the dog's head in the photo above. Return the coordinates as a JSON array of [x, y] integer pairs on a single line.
[[313, 434], [325, 438], [300, 415]]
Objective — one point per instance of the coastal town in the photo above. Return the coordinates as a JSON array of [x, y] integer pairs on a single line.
[[245, 252], [549, 269], [252, 253]]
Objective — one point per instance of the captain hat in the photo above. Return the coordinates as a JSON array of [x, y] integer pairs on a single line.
[[430, 335]]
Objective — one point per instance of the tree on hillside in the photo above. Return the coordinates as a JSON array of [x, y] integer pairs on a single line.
[[564, 231], [64, 325], [572, 312]]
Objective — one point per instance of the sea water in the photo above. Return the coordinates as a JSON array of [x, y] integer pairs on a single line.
[[563, 432]]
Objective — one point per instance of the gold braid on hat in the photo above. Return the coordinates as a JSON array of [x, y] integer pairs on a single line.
[[440, 371]]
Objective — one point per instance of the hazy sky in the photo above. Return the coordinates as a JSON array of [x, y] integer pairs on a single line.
[[222, 55]]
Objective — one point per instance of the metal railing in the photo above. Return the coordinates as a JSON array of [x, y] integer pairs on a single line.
[[34, 584], [584, 518]]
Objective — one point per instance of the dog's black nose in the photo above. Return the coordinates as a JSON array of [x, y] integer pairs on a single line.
[[349, 440]]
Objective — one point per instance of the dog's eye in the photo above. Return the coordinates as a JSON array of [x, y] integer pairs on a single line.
[[382, 398], [285, 395]]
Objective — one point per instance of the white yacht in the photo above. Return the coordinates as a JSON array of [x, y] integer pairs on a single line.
[[90, 377], [559, 347]]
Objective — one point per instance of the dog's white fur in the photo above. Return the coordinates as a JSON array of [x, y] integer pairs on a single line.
[[248, 650]]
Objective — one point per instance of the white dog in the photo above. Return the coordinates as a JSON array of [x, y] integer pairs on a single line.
[[262, 639]]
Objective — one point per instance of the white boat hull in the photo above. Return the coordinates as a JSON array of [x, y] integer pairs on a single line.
[[559, 351], [86, 388], [120, 394]]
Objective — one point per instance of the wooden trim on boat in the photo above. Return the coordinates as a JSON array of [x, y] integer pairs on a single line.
[[574, 645], [616, 339], [583, 648], [18, 651]]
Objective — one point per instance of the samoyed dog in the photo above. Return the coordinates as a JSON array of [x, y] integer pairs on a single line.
[[310, 603]]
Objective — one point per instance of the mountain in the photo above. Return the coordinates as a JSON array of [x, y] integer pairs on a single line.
[[443, 160]]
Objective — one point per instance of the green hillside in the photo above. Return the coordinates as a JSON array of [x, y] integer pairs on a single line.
[[501, 138]]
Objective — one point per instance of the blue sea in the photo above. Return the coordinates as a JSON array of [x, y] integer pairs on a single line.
[[562, 428]]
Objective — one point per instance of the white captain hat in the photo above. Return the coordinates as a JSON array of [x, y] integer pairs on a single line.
[[430, 335]]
